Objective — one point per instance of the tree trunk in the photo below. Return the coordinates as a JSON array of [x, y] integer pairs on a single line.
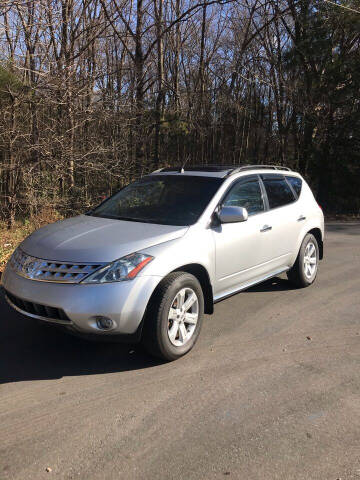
[[160, 73]]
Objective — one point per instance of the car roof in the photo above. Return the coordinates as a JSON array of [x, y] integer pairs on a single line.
[[220, 171]]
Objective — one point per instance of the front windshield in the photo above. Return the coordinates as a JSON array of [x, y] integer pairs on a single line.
[[162, 199]]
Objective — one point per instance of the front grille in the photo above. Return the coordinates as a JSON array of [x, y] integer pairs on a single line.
[[46, 270], [52, 313]]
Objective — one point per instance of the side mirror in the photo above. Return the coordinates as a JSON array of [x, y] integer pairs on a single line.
[[233, 214]]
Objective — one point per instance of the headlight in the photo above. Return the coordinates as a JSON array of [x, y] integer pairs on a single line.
[[17, 259], [126, 268]]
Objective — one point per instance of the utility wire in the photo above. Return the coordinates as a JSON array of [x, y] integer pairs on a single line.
[[342, 6]]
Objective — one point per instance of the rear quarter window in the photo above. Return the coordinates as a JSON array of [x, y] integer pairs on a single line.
[[278, 190], [296, 184]]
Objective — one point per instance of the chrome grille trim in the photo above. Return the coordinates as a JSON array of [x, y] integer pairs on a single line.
[[50, 271]]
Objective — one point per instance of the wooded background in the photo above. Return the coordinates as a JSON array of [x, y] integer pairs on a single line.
[[94, 93]]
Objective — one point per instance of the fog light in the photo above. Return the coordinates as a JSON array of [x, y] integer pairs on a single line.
[[104, 323]]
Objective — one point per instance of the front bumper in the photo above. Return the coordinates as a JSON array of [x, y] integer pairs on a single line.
[[124, 302]]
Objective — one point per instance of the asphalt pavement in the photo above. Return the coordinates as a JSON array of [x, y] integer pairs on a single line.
[[271, 390]]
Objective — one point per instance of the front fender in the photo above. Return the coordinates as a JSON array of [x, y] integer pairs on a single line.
[[195, 247]]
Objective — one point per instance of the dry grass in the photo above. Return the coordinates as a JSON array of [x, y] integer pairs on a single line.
[[10, 239]]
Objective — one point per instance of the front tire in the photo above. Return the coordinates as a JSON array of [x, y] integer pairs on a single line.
[[174, 317], [304, 271]]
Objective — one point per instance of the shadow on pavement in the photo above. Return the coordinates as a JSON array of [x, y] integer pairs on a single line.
[[32, 351], [274, 284]]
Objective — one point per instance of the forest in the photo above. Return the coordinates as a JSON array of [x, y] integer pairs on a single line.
[[95, 93]]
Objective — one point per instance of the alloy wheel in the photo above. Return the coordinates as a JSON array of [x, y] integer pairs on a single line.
[[310, 260], [183, 316]]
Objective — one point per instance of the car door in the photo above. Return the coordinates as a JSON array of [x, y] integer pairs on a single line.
[[238, 244], [280, 230]]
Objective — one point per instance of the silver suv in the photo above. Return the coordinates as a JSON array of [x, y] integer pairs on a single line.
[[148, 262]]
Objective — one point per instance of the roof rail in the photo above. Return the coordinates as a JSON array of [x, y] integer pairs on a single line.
[[227, 169], [197, 168], [258, 167]]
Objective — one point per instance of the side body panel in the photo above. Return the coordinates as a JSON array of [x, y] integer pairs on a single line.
[[314, 218], [238, 253]]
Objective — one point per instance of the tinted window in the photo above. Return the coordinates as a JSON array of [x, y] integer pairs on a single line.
[[278, 191], [296, 184], [246, 194], [163, 199]]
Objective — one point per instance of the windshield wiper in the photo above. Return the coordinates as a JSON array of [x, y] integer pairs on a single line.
[[126, 219], [157, 221]]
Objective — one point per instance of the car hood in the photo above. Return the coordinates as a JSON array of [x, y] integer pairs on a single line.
[[93, 239]]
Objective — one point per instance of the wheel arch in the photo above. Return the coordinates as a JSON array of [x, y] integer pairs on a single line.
[[202, 275], [318, 235]]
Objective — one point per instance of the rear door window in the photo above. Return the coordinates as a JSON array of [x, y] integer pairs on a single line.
[[296, 184], [278, 190]]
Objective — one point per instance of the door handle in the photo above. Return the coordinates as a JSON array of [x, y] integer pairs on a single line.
[[301, 218], [265, 228]]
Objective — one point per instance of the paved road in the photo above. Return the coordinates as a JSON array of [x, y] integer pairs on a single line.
[[255, 400]]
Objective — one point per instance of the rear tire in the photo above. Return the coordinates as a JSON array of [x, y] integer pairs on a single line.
[[304, 271], [174, 317]]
